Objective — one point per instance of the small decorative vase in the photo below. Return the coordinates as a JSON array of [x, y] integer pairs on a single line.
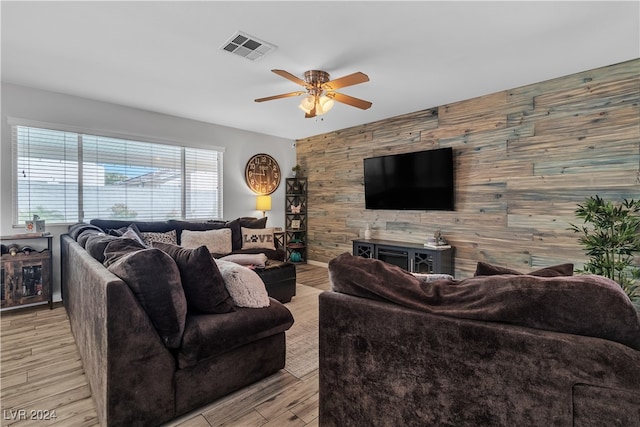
[[367, 232]]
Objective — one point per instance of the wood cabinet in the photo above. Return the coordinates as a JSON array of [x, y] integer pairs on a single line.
[[412, 257], [25, 278], [295, 231]]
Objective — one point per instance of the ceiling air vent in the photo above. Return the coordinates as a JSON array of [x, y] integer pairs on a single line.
[[247, 46]]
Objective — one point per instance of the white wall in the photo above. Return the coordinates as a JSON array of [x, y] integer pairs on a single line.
[[33, 104]]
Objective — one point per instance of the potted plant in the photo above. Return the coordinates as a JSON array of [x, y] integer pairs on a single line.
[[610, 235], [296, 170]]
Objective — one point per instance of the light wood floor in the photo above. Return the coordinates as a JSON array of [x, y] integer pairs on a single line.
[[41, 371]]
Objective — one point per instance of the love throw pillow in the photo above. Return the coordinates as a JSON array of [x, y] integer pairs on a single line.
[[257, 238]]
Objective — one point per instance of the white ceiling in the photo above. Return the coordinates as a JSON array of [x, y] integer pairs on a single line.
[[165, 56]]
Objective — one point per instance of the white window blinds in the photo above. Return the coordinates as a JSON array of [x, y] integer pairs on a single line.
[[130, 179], [64, 177], [203, 189], [45, 175]]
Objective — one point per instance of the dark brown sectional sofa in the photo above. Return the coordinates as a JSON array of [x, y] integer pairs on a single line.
[[279, 276], [144, 373], [499, 350]]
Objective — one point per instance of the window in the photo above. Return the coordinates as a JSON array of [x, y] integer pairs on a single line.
[[47, 175], [65, 177]]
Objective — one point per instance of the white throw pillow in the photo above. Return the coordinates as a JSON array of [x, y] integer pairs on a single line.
[[432, 277], [261, 238], [217, 241], [244, 285], [258, 260]]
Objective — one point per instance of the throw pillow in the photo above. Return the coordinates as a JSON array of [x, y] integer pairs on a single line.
[[486, 269], [257, 238], [246, 222], [217, 241], [132, 232], [251, 222], [118, 248], [84, 236], [154, 279], [181, 225], [201, 280], [244, 285], [76, 229], [96, 243], [236, 234], [256, 260], [153, 236], [432, 277]]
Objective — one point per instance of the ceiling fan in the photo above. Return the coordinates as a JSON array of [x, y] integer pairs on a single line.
[[321, 92]]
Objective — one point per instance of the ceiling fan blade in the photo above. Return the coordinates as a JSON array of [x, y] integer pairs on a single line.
[[284, 95], [350, 80], [287, 75], [350, 100]]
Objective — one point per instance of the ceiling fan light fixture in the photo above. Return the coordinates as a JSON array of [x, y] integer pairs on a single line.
[[307, 103], [326, 103], [303, 109], [321, 94]]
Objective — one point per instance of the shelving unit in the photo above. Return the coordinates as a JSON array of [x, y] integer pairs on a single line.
[[26, 277], [296, 220]]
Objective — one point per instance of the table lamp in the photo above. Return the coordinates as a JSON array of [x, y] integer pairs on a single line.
[[263, 203]]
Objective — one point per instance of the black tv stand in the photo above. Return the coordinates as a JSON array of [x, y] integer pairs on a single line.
[[413, 257]]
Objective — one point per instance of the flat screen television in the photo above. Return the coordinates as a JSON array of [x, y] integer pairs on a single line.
[[420, 180]]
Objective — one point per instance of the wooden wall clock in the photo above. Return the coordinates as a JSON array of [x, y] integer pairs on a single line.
[[262, 174]]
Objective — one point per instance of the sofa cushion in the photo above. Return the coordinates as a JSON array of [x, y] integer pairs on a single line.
[[256, 260], [202, 282], [217, 241], [154, 278], [118, 248], [244, 285], [207, 336], [76, 229], [85, 234], [109, 224], [583, 305], [486, 269], [260, 238], [96, 243]]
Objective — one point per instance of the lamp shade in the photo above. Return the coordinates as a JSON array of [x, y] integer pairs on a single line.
[[263, 203], [326, 103], [307, 103]]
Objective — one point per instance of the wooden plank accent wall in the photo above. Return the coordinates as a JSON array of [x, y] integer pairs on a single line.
[[524, 159]]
